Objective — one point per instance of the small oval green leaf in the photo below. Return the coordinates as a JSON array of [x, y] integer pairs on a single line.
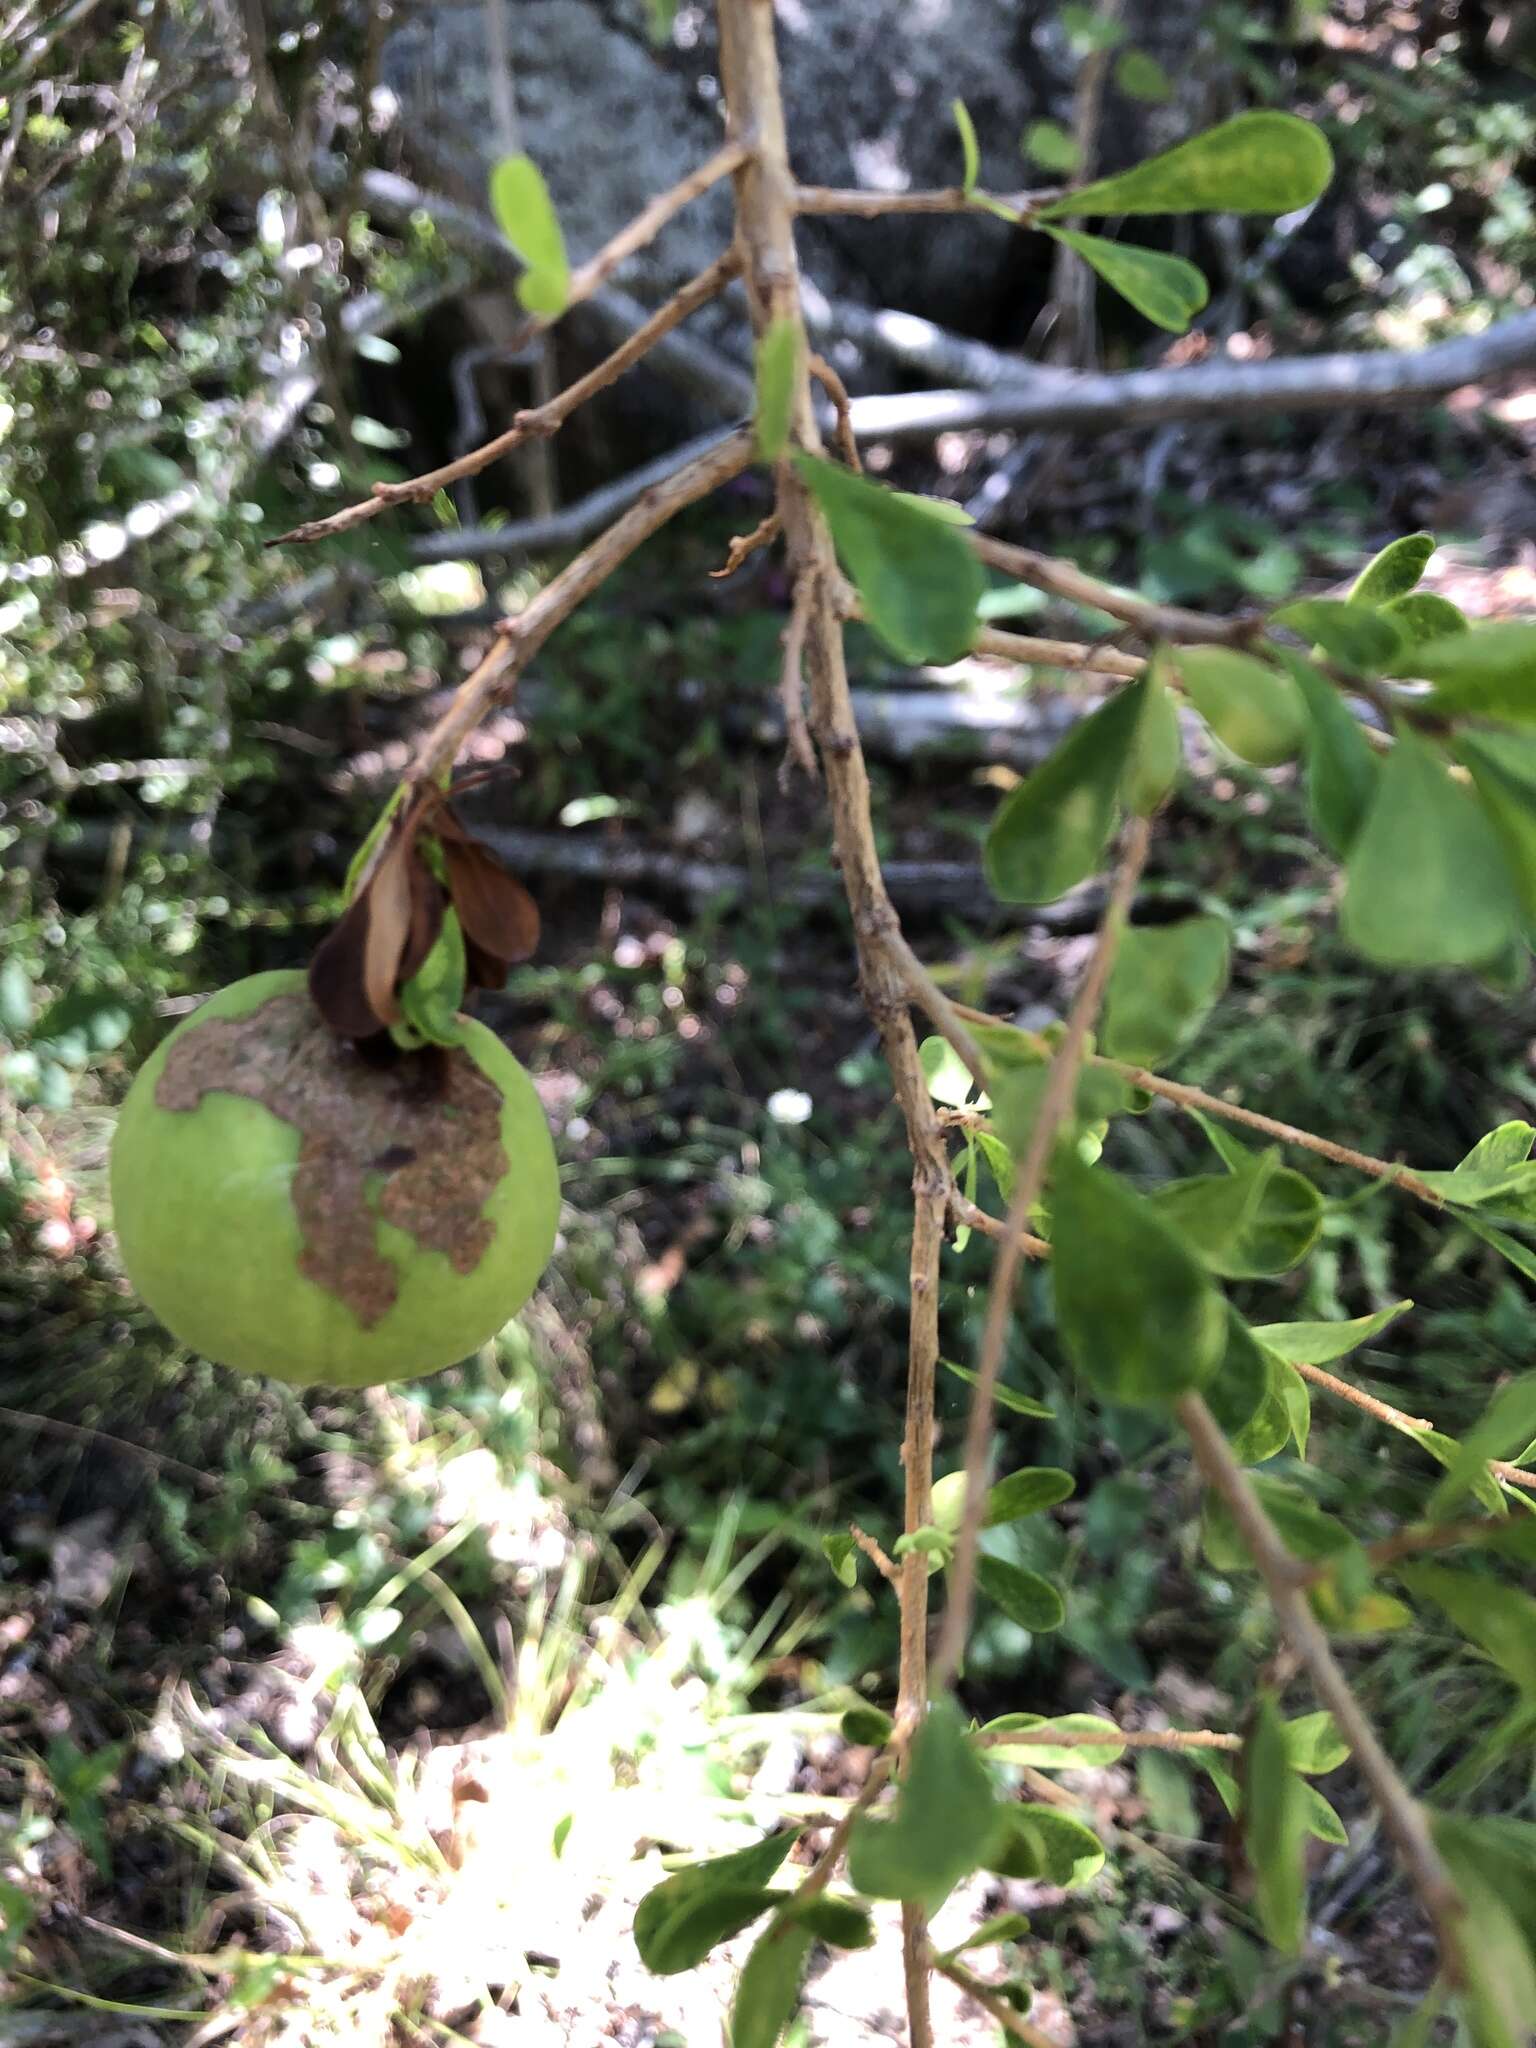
[[1049, 834], [1249, 706], [1165, 983], [526, 215], [1024, 1596], [1166, 289], [1426, 883], [1395, 571], [1135, 1309], [1255, 163], [918, 578]]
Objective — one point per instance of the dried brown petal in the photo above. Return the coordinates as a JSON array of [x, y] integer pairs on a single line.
[[336, 985], [497, 912]]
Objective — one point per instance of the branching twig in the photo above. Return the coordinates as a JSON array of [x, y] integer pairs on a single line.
[[532, 424], [875, 1553], [642, 230], [1400, 1812], [1055, 1104], [518, 638], [1397, 1418], [824, 1869], [763, 535], [1272, 1127], [1188, 1098]]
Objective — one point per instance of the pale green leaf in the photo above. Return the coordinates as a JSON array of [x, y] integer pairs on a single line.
[[1250, 707], [1024, 1596], [970, 149], [1005, 1397], [682, 1919], [1043, 1755], [1049, 145], [1422, 616], [1341, 769], [1275, 1818], [526, 215], [1503, 770], [1256, 163], [1395, 571], [1353, 634], [1489, 671], [1322, 1343], [1499, 1619], [768, 1989], [1043, 1842], [1141, 77], [1027, 1492], [943, 1822], [1157, 752], [1248, 1225], [1168, 290]]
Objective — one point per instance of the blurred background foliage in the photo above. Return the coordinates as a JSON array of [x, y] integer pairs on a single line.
[[225, 1602]]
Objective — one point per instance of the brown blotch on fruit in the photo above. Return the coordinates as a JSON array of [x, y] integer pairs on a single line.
[[430, 1125]]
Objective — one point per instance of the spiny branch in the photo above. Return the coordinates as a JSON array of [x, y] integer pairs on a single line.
[[1055, 1106]]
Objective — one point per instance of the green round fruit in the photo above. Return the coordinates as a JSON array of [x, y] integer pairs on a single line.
[[288, 1204]]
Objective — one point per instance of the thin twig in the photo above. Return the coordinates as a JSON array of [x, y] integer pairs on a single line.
[[837, 391], [1066, 580], [862, 205], [1233, 1112], [643, 229], [517, 639], [1055, 1103], [1397, 1418], [874, 1552], [824, 1869], [532, 424], [742, 545], [798, 751], [1401, 1814], [1083, 1738], [1070, 654], [1007, 2016], [1285, 1134]]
